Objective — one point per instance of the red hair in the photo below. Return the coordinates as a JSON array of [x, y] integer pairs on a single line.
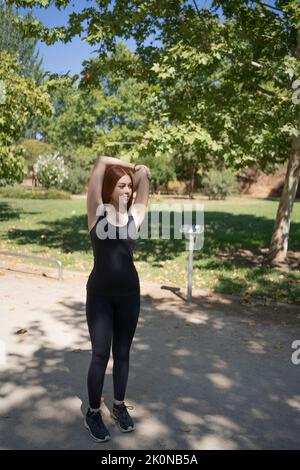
[[112, 175]]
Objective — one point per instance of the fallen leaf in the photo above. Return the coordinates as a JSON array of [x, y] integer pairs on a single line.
[[22, 331], [245, 299]]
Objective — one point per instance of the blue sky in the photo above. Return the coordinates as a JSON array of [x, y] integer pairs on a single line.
[[61, 58]]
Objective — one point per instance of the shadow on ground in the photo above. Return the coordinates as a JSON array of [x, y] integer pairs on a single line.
[[205, 375]]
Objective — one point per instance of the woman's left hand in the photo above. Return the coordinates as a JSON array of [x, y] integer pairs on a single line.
[[138, 167]]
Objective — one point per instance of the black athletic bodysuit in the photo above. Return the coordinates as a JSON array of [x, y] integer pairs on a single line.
[[114, 272], [112, 305]]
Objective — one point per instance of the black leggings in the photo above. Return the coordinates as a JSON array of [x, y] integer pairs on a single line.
[[110, 319]]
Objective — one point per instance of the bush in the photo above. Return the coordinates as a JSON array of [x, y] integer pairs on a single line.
[[79, 161], [12, 164], [162, 170], [19, 192], [32, 149], [77, 180], [176, 187], [218, 184], [50, 170]]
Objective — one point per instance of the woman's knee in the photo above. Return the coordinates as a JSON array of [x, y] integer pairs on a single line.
[[100, 356], [120, 354]]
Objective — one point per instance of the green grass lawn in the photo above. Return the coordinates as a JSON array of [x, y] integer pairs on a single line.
[[58, 228]]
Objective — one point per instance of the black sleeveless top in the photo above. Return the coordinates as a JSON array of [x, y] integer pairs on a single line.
[[114, 272]]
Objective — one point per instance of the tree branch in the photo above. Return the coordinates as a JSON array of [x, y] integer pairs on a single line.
[[267, 5], [268, 92], [197, 9], [278, 80]]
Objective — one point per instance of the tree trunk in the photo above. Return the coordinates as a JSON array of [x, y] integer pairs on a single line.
[[279, 242], [192, 185]]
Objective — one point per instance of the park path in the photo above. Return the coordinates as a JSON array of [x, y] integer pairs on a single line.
[[210, 374]]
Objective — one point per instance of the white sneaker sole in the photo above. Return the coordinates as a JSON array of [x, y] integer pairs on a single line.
[[97, 439], [130, 428]]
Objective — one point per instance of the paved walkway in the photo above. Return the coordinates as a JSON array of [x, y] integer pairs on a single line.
[[210, 374]]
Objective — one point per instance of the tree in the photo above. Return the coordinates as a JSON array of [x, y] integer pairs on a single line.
[[275, 60], [13, 41], [32, 149], [108, 113], [20, 98], [224, 88], [73, 121]]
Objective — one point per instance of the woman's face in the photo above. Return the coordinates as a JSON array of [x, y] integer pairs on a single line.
[[122, 192]]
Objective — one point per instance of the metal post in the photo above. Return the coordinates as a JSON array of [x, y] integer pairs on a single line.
[[190, 267], [190, 232]]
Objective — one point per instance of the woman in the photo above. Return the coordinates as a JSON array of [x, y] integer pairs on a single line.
[[113, 288]]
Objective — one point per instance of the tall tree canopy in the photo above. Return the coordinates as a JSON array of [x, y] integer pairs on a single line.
[[221, 87], [21, 98], [14, 41]]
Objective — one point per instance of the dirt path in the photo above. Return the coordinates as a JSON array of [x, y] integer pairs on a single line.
[[210, 374]]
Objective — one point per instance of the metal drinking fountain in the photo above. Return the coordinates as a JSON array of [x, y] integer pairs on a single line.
[[190, 233]]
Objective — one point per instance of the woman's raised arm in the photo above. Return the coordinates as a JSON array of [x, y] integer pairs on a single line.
[[116, 161]]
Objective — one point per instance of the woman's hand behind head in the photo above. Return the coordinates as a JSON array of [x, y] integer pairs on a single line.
[[143, 168]]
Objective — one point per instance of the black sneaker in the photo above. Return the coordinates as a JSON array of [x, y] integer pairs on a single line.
[[93, 422], [123, 418]]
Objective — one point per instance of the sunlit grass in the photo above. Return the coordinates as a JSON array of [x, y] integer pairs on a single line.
[[58, 228]]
